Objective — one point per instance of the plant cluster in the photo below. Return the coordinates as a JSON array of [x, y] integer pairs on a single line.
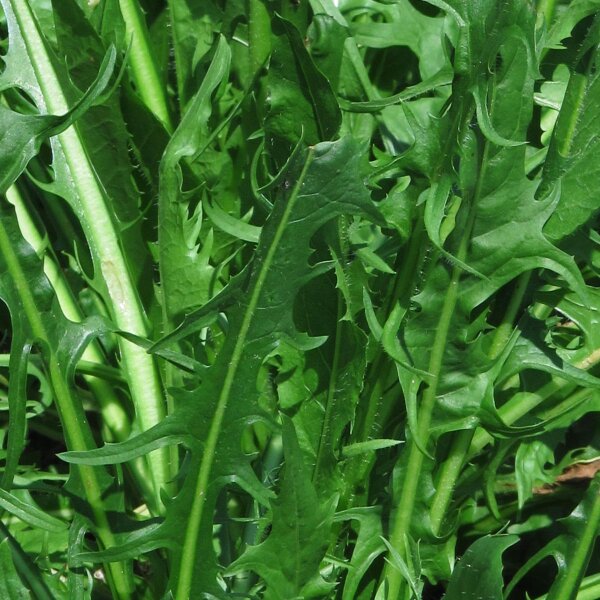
[[299, 299]]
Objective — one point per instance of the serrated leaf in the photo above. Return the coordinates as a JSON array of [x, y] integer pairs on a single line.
[[289, 558], [212, 430], [572, 162], [25, 133], [185, 272]]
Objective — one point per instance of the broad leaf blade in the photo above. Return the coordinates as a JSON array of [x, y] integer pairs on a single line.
[[478, 574]]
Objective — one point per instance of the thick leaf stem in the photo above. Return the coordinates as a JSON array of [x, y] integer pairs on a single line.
[[453, 464], [190, 542], [547, 8], [143, 64], [404, 510], [259, 33], [113, 414], [104, 244], [92, 362]]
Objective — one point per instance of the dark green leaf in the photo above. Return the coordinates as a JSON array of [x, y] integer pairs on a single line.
[[300, 100], [478, 575]]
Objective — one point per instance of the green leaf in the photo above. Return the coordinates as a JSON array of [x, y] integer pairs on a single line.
[[289, 558], [33, 67], [332, 376], [25, 133], [37, 319], [78, 581], [530, 467], [478, 574], [574, 12], [573, 164], [11, 586], [326, 38], [419, 32], [236, 227], [440, 79], [399, 563], [369, 446], [194, 27], [186, 273], [326, 184], [17, 567], [571, 548], [29, 513], [369, 545], [300, 100], [401, 325]]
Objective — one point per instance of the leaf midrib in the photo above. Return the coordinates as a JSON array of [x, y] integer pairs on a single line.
[[201, 489], [103, 241]]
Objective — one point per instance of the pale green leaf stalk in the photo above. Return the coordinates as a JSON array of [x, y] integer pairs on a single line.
[[115, 417], [454, 462], [259, 29], [143, 64], [104, 244], [77, 431], [404, 511], [113, 413]]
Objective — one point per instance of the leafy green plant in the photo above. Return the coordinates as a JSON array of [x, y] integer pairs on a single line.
[[300, 299]]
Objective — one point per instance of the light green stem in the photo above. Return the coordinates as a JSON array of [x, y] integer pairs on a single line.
[[77, 432], [143, 64], [76, 428], [104, 244], [92, 363], [114, 415], [547, 8], [588, 590], [453, 464], [190, 541], [259, 33], [404, 510], [566, 587]]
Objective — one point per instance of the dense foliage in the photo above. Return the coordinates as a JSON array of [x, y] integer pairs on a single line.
[[299, 299]]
